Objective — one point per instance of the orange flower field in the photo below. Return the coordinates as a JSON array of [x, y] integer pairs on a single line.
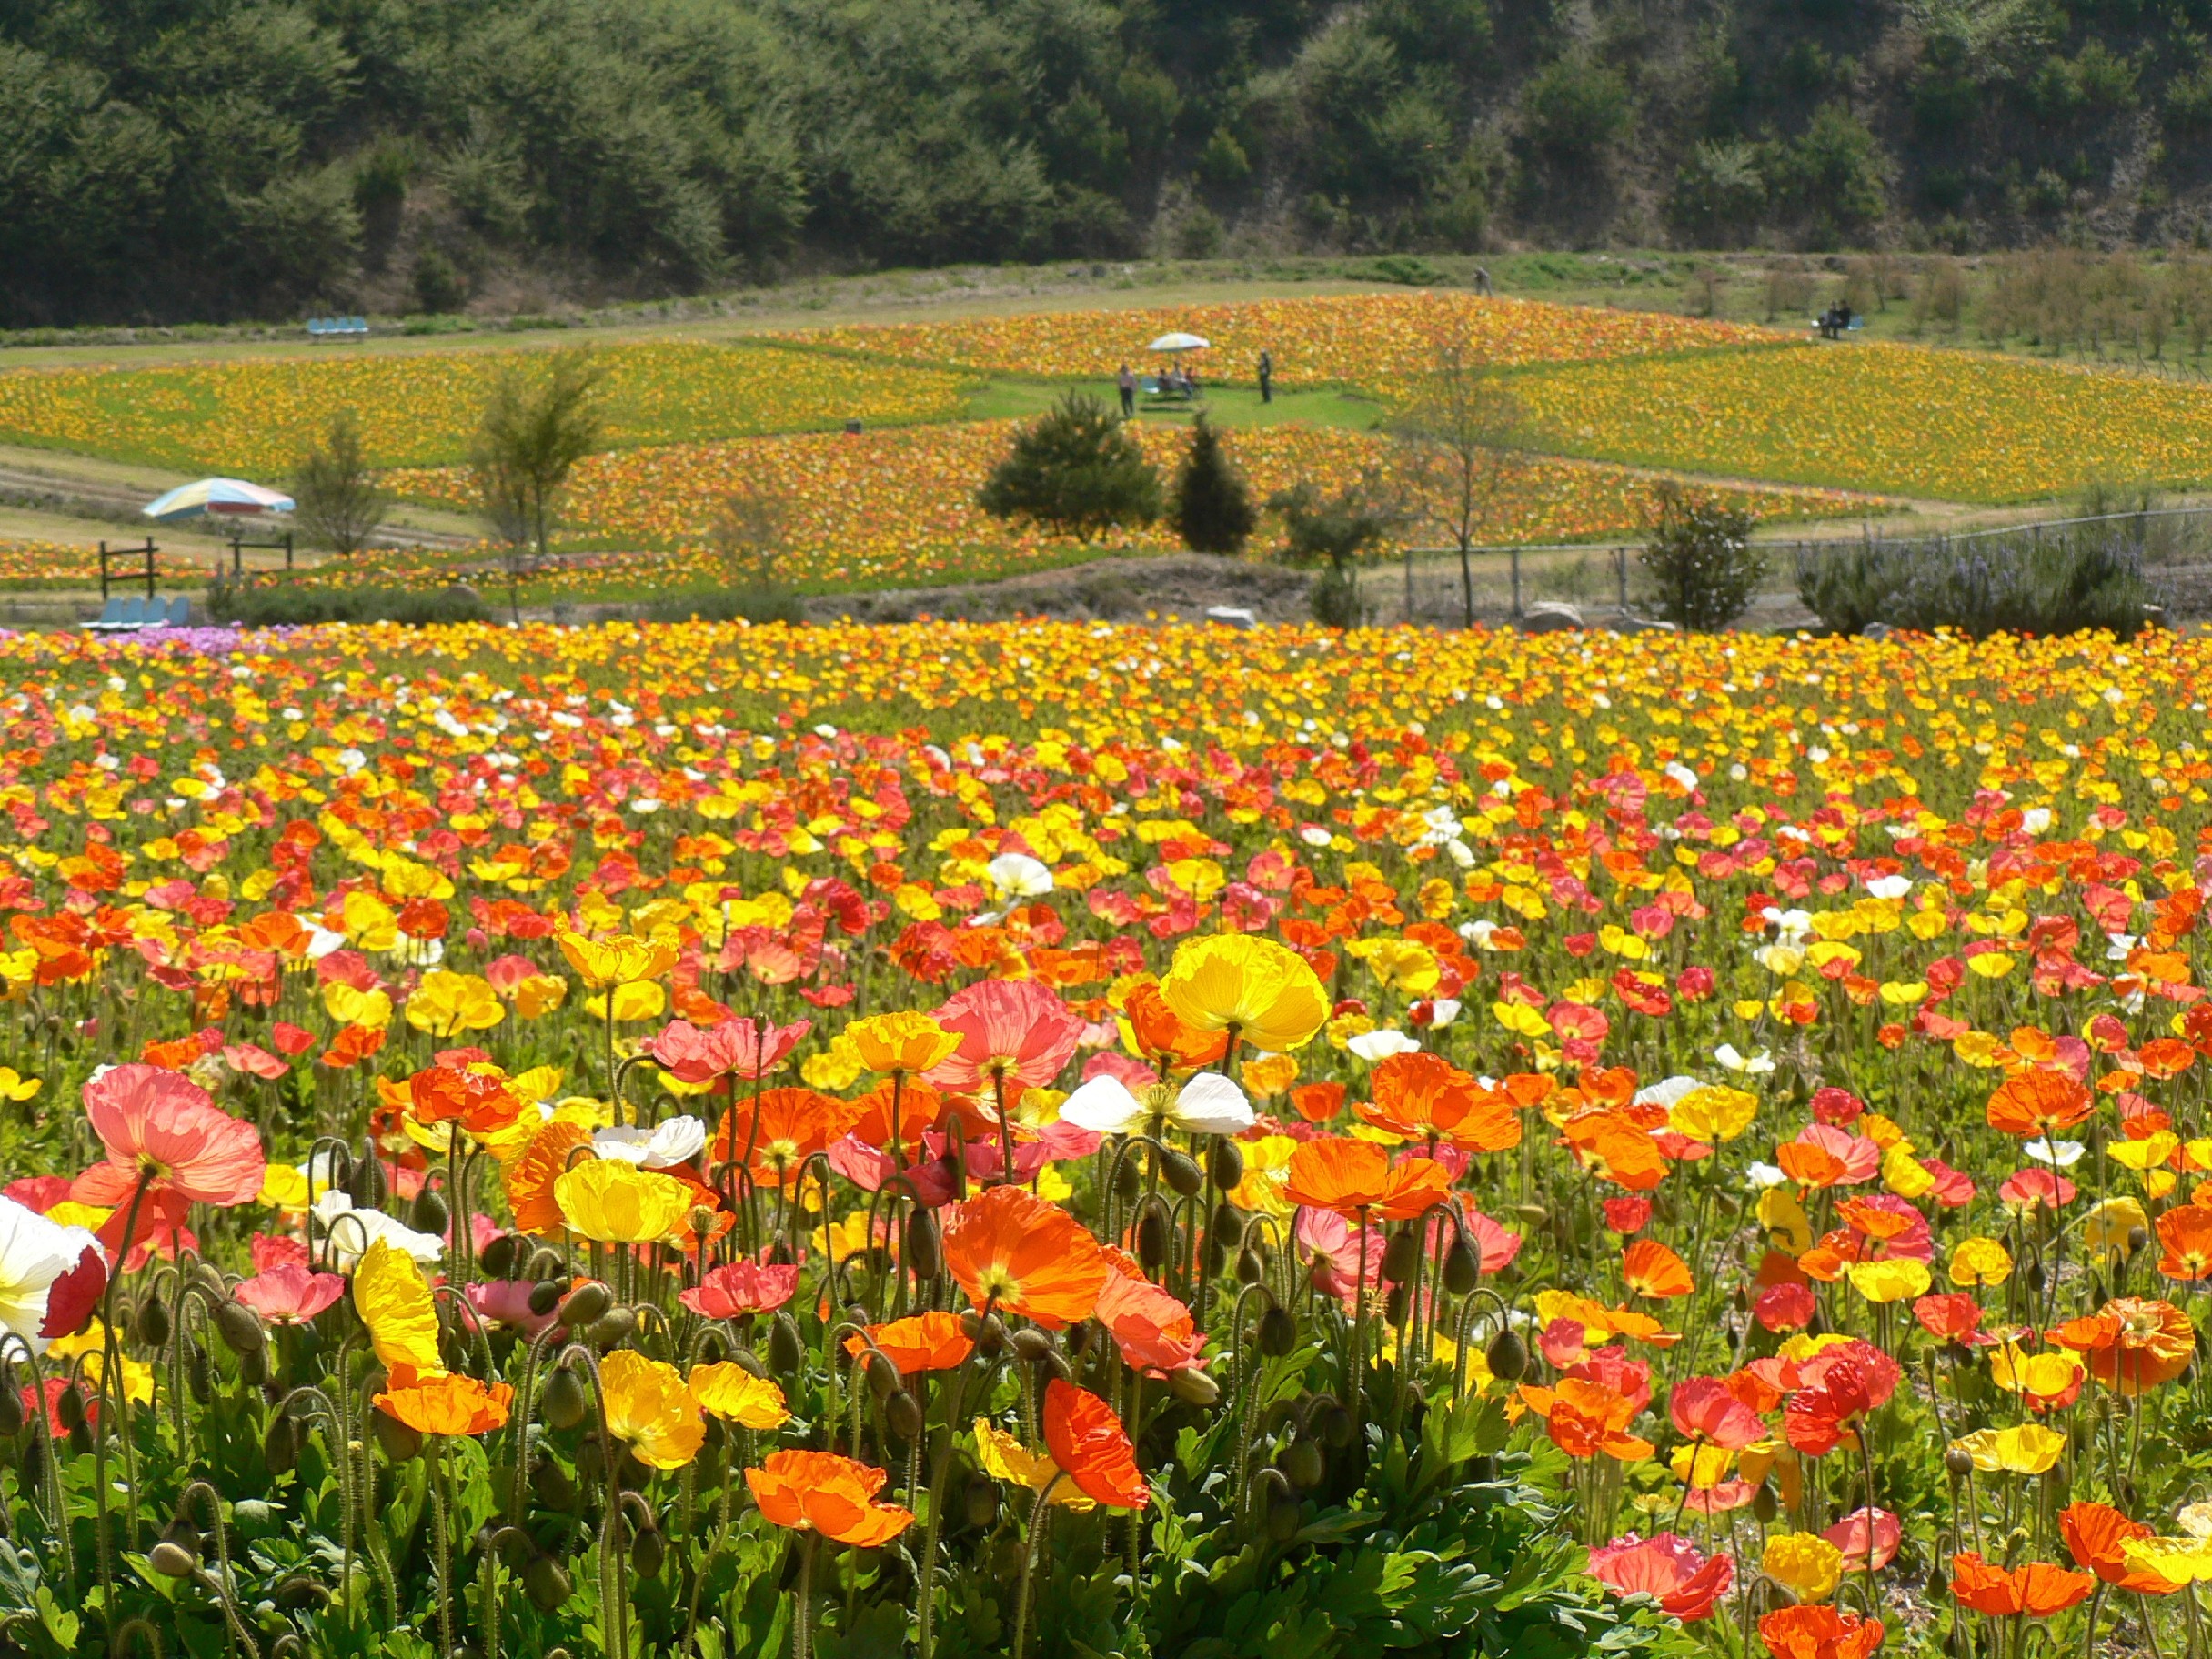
[[900, 505], [1055, 1138]]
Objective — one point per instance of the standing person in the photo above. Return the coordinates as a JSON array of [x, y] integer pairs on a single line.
[[1128, 383], [1267, 378]]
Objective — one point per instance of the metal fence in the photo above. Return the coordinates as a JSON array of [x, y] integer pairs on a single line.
[[1426, 584]]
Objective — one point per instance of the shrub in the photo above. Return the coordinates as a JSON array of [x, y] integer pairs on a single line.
[[1700, 568], [1335, 532], [1075, 468], [291, 604], [2059, 583], [1213, 511], [335, 501]]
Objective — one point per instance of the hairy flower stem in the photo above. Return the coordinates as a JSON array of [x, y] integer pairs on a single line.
[[1040, 1515]]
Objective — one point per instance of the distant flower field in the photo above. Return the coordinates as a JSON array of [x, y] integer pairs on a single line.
[[1903, 420]]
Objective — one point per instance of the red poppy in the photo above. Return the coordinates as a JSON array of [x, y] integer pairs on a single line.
[[1682, 1578], [1843, 1384], [1704, 1409], [741, 1287], [1091, 1447]]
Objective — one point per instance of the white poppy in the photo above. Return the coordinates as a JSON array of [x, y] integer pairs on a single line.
[[677, 1140], [1208, 1104], [33, 1253], [1756, 1065], [1016, 875], [351, 1229], [1890, 887], [1666, 1091], [1761, 1176], [1377, 1046], [1443, 1011], [2059, 1154]]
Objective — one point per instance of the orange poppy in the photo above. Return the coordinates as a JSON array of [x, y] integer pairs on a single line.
[[1092, 1448], [2132, 1343], [1356, 1179], [1011, 1250], [1585, 1418], [2165, 1057], [1158, 1032], [784, 1128], [2038, 1104], [2037, 1590], [1617, 1148], [447, 1405], [1819, 1632], [1649, 1268], [925, 1341], [821, 1492], [1423, 1096], [919, 1109], [479, 1103], [2096, 1536], [531, 1178], [2186, 1232], [1318, 1102]]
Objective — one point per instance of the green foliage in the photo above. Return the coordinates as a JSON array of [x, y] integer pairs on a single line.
[[1076, 467], [1213, 505], [2087, 578], [749, 604], [335, 499], [535, 428], [1335, 533], [1700, 568], [274, 604]]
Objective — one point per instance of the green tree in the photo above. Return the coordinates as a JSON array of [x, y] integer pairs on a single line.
[[1700, 568], [535, 428], [335, 496], [1335, 533], [1077, 469], [1212, 508]]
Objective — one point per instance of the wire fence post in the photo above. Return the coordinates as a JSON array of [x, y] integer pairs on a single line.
[[1516, 556], [1620, 579], [150, 550]]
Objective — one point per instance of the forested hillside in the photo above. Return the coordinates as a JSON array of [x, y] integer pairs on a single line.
[[171, 159]]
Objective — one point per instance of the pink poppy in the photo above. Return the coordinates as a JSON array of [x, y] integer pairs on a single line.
[[1330, 1240], [1718, 1500], [254, 1060], [1703, 1410], [741, 1287], [1685, 1581], [746, 1048], [1867, 1537], [289, 1295], [160, 1129], [507, 1301], [39, 1192], [1012, 1031], [2031, 1189], [273, 1250], [291, 1041]]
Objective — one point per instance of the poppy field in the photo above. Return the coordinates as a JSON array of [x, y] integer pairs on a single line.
[[1049, 1137]]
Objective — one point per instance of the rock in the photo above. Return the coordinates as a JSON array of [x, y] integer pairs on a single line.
[[1230, 616], [1877, 630], [1627, 623], [1549, 617]]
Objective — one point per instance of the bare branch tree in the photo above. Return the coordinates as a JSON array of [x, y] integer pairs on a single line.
[[535, 428], [1459, 433], [752, 533]]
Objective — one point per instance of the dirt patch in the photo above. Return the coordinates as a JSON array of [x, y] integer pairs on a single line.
[[1109, 590]]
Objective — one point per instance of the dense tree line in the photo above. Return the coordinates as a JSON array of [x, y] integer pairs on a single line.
[[213, 158]]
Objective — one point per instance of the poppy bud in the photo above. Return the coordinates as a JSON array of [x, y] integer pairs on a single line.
[[429, 1213], [547, 1263], [990, 1338], [552, 1486], [1227, 1225], [980, 1501], [1182, 1174], [1960, 1464], [11, 1412], [785, 1351], [1765, 1505], [1268, 1484], [922, 1254], [399, 1441], [240, 1327], [545, 1296], [1251, 1267], [882, 1376], [780, 1253], [1506, 1356], [1077, 1341], [1282, 1518], [1128, 1180], [1302, 1464], [1153, 1234], [1336, 1426], [1533, 1218], [1462, 1268], [563, 1402], [500, 1256], [585, 1305], [198, 1374], [2137, 1237], [1278, 1331], [300, 1593], [647, 1551], [902, 1416], [69, 1408], [1031, 1345], [591, 1461], [365, 1185], [1401, 1255], [1193, 1386], [614, 1325], [546, 1583], [280, 1446], [1225, 1162], [1395, 1303], [171, 1561], [153, 1323], [254, 1366], [2036, 1277]]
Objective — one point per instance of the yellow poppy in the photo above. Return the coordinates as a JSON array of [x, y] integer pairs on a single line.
[[1264, 990], [393, 1300], [733, 1392], [649, 1405], [616, 1202], [1804, 1563]]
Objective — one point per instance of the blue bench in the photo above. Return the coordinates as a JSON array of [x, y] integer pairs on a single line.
[[337, 327], [120, 615]]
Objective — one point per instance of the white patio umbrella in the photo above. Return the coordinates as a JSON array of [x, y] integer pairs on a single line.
[[1180, 342], [216, 496]]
